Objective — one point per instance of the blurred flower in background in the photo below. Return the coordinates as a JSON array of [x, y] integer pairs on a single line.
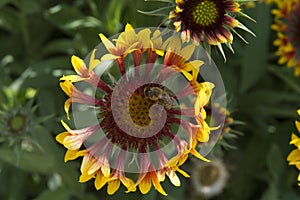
[[143, 125], [224, 141], [287, 26], [294, 157], [208, 179], [17, 119]]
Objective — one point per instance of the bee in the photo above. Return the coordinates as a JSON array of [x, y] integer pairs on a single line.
[[159, 95]]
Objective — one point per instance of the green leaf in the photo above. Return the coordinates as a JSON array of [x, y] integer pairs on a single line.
[[157, 12], [275, 156], [31, 162], [291, 195], [70, 19], [164, 1], [65, 46], [271, 193], [12, 183], [287, 76], [254, 60], [3, 2], [30, 6], [61, 194], [85, 22], [68, 171], [9, 20], [113, 16]]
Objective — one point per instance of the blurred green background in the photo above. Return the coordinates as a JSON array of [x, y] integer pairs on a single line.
[[37, 39]]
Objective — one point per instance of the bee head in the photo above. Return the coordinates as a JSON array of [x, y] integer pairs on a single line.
[[147, 91]]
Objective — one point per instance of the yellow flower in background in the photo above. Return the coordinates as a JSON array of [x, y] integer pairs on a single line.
[[294, 157], [209, 22], [141, 125], [287, 26]]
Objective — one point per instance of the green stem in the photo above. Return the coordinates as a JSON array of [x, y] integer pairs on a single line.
[[290, 81], [25, 32]]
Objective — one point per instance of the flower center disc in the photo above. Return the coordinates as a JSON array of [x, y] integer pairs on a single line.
[[209, 175], [205, 13], [137, 110], [139, 107], [16, 123]]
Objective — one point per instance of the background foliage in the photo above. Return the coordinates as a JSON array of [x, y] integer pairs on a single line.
[[37, 40]]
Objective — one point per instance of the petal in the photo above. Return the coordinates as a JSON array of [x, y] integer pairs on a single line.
[[72, 78], [294, 155], [194, 65], [177, 25], [197, 155], [67, 87], [186, 175], [65, 125], [129, 184], [73, 142], [93, 62], [78, 64], [73, 154], [85, 177], [297, 125], [157, 184], [94, 167], [145, 184], [187, 51], [294, 139], [186, 35], [100, 180], [105, 170], [144, 38], [156, 39], [60, 137], [109, 57], [203, 133], [174, 45], [113, 186], [87, 161], [67, 107], [198, 105], [173, 178], [107, 43], [159, 52], [182, 159], [161, 175], [187, 75], [127, 37], [128, 27]]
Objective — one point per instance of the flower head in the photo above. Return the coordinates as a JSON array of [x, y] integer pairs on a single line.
[[145, 116], [209, 22], [294, 157], [209, 179], [226, 134], [287, 25], [17, 119]]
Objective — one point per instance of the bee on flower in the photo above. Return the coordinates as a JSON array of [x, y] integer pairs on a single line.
[[142, 123]]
